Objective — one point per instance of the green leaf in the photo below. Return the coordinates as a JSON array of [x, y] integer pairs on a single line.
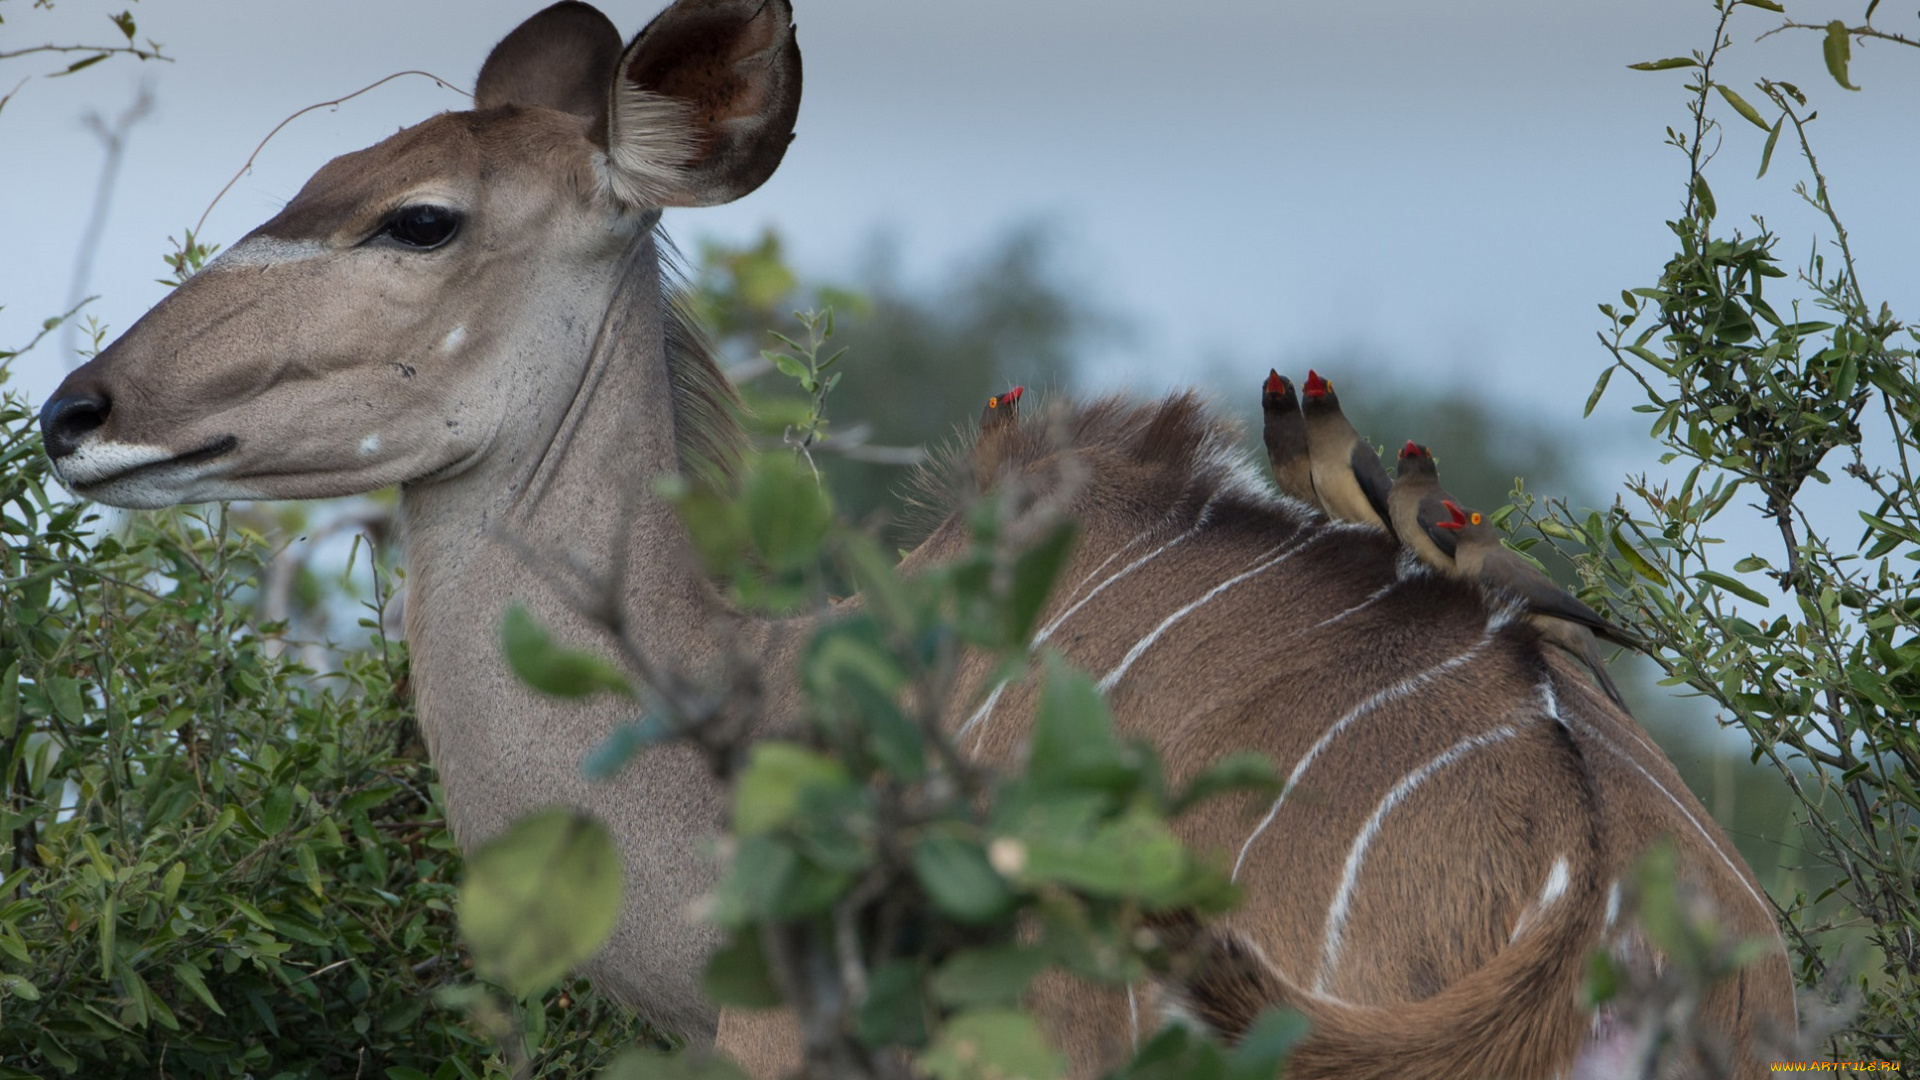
[[549, 668], [9, 699], [540, 898], [768, 790], [1262, 1052], [1668, 64], [788, 366], [1733, 585], [1773, 138], [82, 65], [625, 742], [310, 869], [1135, 857], [992, 1044], [960, 881], [189, 977], [1636, 560], [1704, 194], [67, 700], [1033, 574], [737, 975], [787, 514], [19, 986], [1740, 106], [1599, 388], [1838, 50], [109, 929], [253, 914], [169, 886], [1603, 979], [1245, 771], [1176, 1053], [1072, 736], [881, 588], [997, 975], [276, 810], [895, 1010]]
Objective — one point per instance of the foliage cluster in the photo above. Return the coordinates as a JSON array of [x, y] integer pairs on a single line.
[[1756, 374]]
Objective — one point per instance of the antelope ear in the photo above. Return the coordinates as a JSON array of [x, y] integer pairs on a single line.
[[560, 59], [703, 102]]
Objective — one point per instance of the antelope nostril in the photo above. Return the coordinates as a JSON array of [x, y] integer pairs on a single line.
[[66, 420]]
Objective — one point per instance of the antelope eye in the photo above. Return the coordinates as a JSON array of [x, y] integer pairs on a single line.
[[423, 227]]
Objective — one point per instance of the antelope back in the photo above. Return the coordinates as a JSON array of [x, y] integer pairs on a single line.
[[1461, 805]]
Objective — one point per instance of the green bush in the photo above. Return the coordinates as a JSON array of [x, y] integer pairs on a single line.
[[216, 862]]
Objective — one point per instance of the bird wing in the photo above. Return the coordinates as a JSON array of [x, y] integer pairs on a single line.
[[1372, 477], [1430, 512], [1511, 574]]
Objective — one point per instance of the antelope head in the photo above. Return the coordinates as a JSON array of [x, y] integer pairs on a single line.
[[377, 330]]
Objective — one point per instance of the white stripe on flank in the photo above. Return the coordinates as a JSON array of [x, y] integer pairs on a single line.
[[1592, 733], [1503, 616], [1337, 914], [1554, 889], [1145, 643], [986, 708], [1613, 904], [1377, 594], [1117, 552], [1199, 523], [1133, 1017], [1552, 703], [1398, 690], [1557, 881]]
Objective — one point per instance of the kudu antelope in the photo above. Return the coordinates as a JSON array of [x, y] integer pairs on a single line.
[[476, 309]]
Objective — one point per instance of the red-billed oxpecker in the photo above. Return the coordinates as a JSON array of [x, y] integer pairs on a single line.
[[1001, 409], [1480, 557], [996, 419], [1285, 432], [1348, 478], [1418, 503]]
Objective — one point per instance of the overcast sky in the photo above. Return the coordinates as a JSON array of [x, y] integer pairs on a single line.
[[1450, 187]]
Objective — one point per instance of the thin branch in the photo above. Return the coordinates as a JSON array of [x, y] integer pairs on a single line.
[[103, 50], [248, 167], [1863, 31]]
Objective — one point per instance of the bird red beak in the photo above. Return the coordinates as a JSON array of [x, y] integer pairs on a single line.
[[1316, 386], [1459, 519], [1275, 384]]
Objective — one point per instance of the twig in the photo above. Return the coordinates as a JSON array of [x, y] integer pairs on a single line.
[[103, 50], [1864, 30], [248, 167]]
